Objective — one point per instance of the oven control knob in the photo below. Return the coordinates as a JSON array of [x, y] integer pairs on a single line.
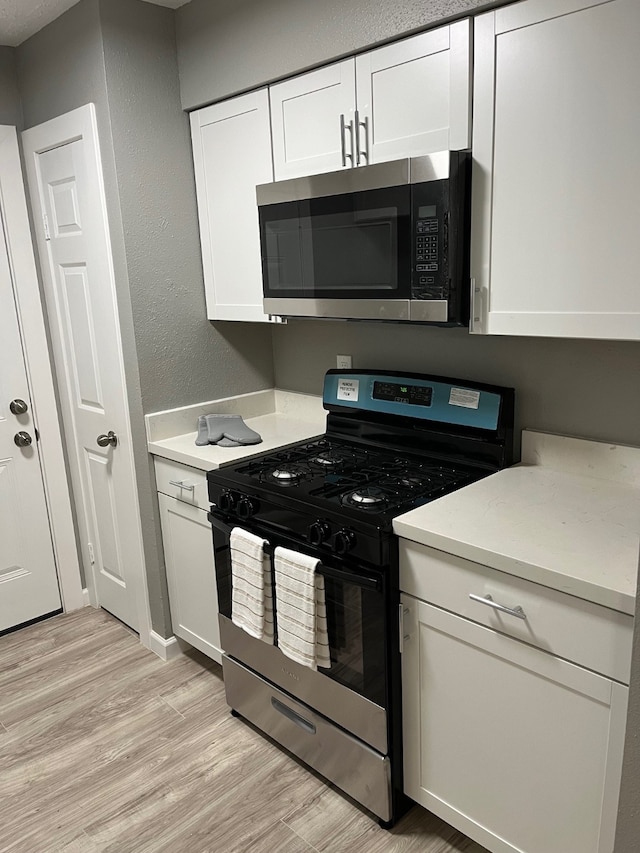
[[227, 501], [246, 507], [344, 541], [318, 532]]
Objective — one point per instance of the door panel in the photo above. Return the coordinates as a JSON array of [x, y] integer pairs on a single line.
[[67, 191], [305, 121], [28, 579]]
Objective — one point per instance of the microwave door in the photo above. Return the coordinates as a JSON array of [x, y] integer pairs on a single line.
[[341, 256]]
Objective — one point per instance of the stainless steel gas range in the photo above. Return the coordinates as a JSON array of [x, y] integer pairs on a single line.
[[392, 442]]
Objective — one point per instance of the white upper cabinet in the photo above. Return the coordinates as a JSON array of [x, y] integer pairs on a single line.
[[408, 98], [556, 183], [231, 154]]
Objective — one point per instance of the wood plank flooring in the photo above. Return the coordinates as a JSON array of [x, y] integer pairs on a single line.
[[106, 749]]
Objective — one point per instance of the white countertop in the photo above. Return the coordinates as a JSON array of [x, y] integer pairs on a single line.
[[567, 517], [280, 417]]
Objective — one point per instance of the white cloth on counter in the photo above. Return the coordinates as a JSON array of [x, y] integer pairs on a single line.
[[300, 609], [252, 588]]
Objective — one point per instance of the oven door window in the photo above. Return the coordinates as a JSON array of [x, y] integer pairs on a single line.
[[355, 621], [356, 616], [344, 246]]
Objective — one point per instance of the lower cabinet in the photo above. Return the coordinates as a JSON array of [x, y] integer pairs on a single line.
[[514, 746], [190, 567]]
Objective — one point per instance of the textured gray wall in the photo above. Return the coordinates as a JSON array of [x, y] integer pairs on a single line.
[[227, 46], [199, 360], [10, 109], [565, 386]]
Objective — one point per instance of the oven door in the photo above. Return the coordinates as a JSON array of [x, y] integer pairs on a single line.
[[346, 255], [353, 691]]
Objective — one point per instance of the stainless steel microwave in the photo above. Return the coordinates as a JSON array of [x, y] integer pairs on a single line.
[[383, 242]]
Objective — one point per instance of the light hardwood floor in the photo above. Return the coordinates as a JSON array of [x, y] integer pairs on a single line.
[[106, 749]]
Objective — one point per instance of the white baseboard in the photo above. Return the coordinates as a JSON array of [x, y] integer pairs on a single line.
[[85, 597], [166, 649]]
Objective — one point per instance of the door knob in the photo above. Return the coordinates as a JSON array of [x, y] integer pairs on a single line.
[[18, 407], [109, 439], [22, 439]]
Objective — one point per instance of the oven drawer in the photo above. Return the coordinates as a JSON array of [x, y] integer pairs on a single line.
[[342, 759], [182, 482], [588, 634]]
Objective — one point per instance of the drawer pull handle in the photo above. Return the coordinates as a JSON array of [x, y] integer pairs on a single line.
[[182, 485], [290, 714], [518, 612]]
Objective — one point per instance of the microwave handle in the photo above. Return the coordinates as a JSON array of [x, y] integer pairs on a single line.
[[343, 129]]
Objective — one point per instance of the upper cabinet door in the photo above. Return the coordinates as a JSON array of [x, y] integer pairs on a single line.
[[312, 119], [414, 96], [231, 154], [556, 183]]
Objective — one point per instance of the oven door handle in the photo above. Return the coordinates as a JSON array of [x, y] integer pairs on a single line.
[[363, 581]]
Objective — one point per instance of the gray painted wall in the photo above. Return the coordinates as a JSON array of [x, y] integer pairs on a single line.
[[571, 387], [10, 109], [151, 141], [228, 46]]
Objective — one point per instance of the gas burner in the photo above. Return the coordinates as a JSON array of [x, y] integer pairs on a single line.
[[368, 497], [287, 474], [329, 458]]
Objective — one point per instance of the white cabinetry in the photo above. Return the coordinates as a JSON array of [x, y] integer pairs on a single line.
[[231, 154], [188, 553], [556, 183], [407, 98], [507, 738]]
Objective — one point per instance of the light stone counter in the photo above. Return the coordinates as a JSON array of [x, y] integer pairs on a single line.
[[281, 417], [567, 517]]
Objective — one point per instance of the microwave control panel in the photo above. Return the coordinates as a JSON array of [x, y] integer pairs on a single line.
[[440, 216], [430, 269]]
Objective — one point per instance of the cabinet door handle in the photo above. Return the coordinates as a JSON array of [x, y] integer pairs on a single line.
[[360, 151], [182, 485], [518, 612], [343, 129]]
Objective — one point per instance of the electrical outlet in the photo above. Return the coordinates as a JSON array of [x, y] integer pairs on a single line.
[[344, 362]]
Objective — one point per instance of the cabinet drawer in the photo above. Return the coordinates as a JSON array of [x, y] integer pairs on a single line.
[[182, 482], [593, 636]]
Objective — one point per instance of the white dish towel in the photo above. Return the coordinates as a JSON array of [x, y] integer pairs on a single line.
[[252, 590], [300, 609]]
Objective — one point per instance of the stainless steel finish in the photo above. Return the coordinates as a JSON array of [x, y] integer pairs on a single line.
[[292, 715], [188, 487], [18, 407], [410, 170], [430, 167], [362, 152], [363, 718], [429, 310], [22, 439], [361, 772], [109, 439], [340, 309], [343, 128], [518, 612]]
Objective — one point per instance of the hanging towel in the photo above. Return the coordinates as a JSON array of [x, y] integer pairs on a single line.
[[300, 609], [252, 589]]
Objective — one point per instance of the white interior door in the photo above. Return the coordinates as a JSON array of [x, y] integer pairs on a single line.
[[28, 580], [66, 188]]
